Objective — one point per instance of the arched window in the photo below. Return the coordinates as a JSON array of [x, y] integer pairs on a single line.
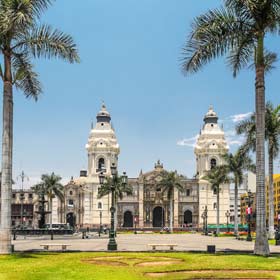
[[214, 205], [101, 163], [99, 205], [213, 163]]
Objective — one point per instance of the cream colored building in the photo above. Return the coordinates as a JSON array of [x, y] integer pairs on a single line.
[[209, 148], [148, 206]]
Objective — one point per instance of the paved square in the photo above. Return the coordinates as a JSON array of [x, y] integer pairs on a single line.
[[139, 242]]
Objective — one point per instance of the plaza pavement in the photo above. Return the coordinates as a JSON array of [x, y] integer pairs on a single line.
[[139, 242]]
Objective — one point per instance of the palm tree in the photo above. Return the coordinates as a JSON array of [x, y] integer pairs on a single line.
[[272, 136], [51, 187], [216, 177], [119, 190], [21, 39], [238, 30], [170, 181], [236, 164]]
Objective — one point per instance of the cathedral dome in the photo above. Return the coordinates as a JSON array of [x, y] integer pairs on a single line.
[[103, 115], [211, 116]]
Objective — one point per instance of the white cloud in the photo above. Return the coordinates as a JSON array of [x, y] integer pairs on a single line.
[[240, 117], [189, 142], [233, 139]]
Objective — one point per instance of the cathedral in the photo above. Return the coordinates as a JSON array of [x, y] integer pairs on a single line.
[[148, 206]]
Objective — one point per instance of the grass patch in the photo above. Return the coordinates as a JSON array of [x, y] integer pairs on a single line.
[[56, 266]]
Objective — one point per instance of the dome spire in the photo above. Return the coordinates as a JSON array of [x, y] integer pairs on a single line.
[[103, 115], [211, 116]]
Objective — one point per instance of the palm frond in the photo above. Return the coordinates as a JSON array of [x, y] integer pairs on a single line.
[[25, 77], [213, 35], [47, 42]]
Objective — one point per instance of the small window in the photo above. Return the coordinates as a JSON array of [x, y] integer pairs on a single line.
[[70, 193], [214, 205], [188, 192], [213, 163], [30, 195], [13, 223], [158, 189], [215, 191], [212, 125], [101, 163], [70, 202], [99, 205], [14, 195], [102, 124]]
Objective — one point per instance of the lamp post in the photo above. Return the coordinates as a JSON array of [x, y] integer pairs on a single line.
[[112, 245], [135, 221], [203, 218], [227, 215], [22, 177], [249, 213], [100, 222], [206, 216]]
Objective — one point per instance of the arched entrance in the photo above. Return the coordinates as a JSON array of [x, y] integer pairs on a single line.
[[188, 217], [127, 219], [71, 220], [158, 217]]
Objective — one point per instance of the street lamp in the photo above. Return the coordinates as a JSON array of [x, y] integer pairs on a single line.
[[203, 218], [100, 222], [227, 215], [206, 216], [112, 245], [249, 213]]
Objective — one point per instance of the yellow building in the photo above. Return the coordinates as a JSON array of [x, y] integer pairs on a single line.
[[276, 186]]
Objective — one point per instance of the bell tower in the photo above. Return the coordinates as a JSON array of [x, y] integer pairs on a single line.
[[210, 146], [102, 147]]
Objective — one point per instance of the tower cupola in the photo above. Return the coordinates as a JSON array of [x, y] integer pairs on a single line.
[[211, 116], [103, 116]]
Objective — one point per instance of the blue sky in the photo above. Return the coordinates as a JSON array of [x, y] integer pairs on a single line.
[[130, 58]]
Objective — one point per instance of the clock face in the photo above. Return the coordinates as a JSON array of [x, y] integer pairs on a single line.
[[159, 178]]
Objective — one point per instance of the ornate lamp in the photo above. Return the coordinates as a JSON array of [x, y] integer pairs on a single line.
[[101, 178]]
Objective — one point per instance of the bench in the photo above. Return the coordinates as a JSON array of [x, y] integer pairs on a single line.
[[171, 246], [47, 246]]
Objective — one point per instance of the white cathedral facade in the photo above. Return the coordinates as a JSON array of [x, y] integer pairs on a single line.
[[148, 206]]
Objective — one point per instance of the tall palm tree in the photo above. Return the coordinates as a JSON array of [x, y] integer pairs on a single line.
[[272, 136], [119, 191], [237, 30], [51, 187], [236, 164], [170, 181], [21, 39], [216, 177]]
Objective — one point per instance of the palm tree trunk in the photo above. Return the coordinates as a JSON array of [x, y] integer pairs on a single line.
[[218, 210], [7, 148], [235, 207], [271, 192], [171, 212], [261, 244]]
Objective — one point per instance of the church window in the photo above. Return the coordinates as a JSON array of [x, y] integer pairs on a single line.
[[101, 163], [213, 163], [70, 193], [188, 192], [215, 191], [99, 205], [70, 202]]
